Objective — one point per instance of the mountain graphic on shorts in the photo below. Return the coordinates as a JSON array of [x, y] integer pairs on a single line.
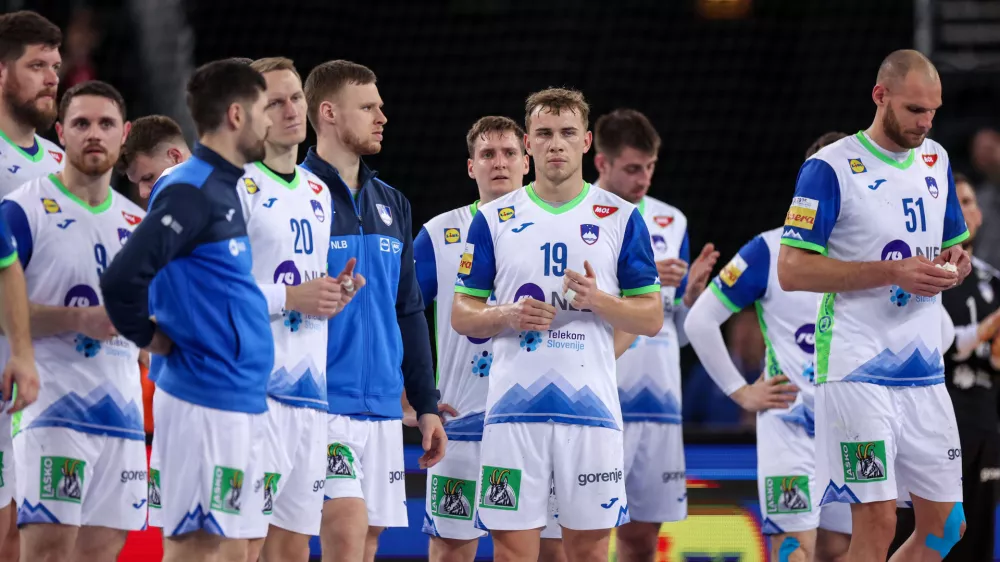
[[466, 428], [103, 412], [914, 364], [551, 398], [303, 385], [647, 401]]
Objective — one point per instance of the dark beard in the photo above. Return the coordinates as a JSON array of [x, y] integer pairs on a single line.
[[79, 161], [253, 152], [25, 111], [890, 125]]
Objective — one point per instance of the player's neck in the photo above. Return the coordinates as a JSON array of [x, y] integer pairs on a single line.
[[92, 190], [345, 161], [281, 159], [877, 134], [560, 192], [224, 146], [20, 134]]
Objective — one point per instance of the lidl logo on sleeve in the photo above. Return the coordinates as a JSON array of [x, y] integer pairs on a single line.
[[802, 213], [452, 236], [250, 185], [465, 264], [604, 211], [51, 206], [929, 159], [857, 166], [505, 213], [731, 273]]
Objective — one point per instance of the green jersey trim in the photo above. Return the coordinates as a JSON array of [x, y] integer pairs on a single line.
[[771, 366], [270, 173], [641, 290], [860, 135], [98, 209], [956, 240], [803, 245], [481, 293], [570, 205], [35, 158], [8, 261], [824, 335], [723, 298], [474, 207]]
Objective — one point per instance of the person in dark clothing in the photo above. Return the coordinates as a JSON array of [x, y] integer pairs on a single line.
[[971, 375]]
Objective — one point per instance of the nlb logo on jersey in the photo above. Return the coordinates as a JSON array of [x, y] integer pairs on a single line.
[[604, 211], [805, 338], [896, 250], [802, 213], [857, 166], [731, 273], [80, 296], [287, 274], [131, 219], [465, 264], [51, 206], [663, 220], [590, 233], [315, 187], [929, 159], [250, 185], [932, 186], [452, 236], [318, 210], [384, 213], [505, 214]]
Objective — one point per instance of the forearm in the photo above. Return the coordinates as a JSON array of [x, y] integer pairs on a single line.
[[471, 316], [680, 314], [802, 270], [53, 320], [623, 341], [15, 318], [418, 368], [704, 330], [641, 314]]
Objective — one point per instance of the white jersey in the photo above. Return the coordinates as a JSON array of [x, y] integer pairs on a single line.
[[856, 202], [520, 246], [86, 385], [463, 363], [649, 373], [787, 319], [289, 228], [18, 166]]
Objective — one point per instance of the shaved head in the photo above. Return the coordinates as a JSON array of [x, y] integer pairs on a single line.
[[895, 68]]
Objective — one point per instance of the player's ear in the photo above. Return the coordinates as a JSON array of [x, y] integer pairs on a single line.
[[234, 115], [527, 144], [878, 95], [471, 175], [59, 133], [326, 112], [588, 139], [174, 155], [125, 130], [600, 162], [527, 163]]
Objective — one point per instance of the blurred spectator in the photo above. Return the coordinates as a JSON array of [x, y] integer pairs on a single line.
[[704, 404], [78, 49], [985, 153]]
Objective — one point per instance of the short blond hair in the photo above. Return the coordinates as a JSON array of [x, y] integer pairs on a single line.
[[493, 124], [271, 64], [327, 79], [556, 100]]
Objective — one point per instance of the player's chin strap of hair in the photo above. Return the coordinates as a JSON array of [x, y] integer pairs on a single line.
[[952, 532], [788, 547]]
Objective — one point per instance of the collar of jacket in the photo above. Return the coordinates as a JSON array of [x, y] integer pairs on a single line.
[[222, 165], [328, 173]]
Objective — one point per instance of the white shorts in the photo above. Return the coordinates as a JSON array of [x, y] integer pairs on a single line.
[[294, 465], [655, 476], [207, 463], [73, 478], [520, 461], [450, 510], [786, 480], [8, 479], [364, 459], [877, 443]]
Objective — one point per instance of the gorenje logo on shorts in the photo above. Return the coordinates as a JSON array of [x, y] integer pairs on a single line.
[[615, 475]]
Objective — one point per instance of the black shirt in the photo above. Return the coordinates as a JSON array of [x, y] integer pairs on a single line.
[[971, 380]]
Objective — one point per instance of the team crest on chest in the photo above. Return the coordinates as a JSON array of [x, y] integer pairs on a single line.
[[932, 186], [384, 213], [123, 234], [663, 220], [590, 233], [659, 243], [318, 210]]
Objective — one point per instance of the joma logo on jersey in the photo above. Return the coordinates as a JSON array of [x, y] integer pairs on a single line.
[[505, 214], [857, 166], [51, 206], [452, 236], [864, 461], [250, 185], [604, 211]]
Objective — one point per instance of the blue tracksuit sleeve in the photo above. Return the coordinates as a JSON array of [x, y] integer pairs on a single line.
[[418, 366], [176, 218]]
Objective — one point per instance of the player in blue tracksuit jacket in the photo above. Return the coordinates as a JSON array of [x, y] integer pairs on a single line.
[[189, 260], [380, 344]]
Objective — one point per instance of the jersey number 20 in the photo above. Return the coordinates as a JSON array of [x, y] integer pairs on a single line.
[[303, 236]]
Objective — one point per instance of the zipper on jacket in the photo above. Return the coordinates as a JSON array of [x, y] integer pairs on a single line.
[[362, 257]]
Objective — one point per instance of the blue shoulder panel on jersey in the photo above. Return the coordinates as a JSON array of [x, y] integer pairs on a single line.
[[814, 209], [423, 257], [8, 249], [636, 265], [192, 172], [684, 254], [955, 230], [739, 288], [15, 218], [478, 269]]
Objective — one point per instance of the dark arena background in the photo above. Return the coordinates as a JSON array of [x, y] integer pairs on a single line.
[[737, 89]]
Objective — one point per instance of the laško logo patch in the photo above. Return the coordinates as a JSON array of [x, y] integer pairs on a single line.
[[604, 211]]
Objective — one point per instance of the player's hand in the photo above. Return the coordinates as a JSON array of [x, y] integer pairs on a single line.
[[700, 273], [671, 271], [317, 297], [958, 257], [584, 288], [775, 392], [434, 440], [528, 314], [918, 275], [446, 409], [22, 371], [161, 344], [995, 354], [350, 282], [94, 323]]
